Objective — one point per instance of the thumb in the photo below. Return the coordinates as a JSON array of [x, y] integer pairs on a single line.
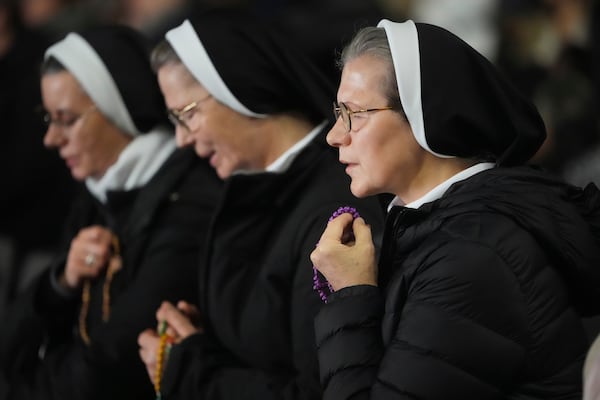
[[335, 228], [362, 231], [177, 321]]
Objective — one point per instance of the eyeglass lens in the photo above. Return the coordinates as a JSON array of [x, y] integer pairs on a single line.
[[64, 119], [342, 110]]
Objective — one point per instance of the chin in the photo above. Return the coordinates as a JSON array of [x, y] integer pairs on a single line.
[[78, 176], [223, 173], [359, 191]]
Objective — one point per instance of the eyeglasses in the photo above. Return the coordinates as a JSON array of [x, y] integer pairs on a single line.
[[184, 114], [65, 119], [346, 113]]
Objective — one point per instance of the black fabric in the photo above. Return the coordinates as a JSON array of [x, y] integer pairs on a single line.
[[126, 54], [161, 228], [469, 109], [482, 291], [258, 302], [262, 68]]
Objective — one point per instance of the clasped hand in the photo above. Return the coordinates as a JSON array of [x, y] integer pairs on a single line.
[[346, 263], [182, 322], [88, 256]]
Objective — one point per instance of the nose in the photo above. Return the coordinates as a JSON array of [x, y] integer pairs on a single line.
[[338, 136], [54, 137], [183, 137]]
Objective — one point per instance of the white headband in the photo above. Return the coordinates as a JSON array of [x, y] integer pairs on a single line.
[[77, 56], [192, 53], [404, 46]]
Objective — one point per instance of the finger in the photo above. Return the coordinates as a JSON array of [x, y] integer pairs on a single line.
[[177, 321], [192, 312], [93, 256], [148, 357], [315, 258], [88, 252], [184, 306], [188, 309], [88, 271], [335, 228], [164, 306], [78, 267], [362, 231], [97, 233], [147, 338], [172, 334]]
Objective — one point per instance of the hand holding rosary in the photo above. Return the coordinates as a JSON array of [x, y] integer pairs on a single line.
[[323, 287], [115, 264]]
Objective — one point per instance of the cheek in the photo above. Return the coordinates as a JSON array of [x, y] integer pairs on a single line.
[[233, 154], [208, 129], [226, 137], [370, 153], [88, 163], [378, 158], [88, 147]]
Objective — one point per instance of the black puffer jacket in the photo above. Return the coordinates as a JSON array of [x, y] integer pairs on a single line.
[[479, 298]]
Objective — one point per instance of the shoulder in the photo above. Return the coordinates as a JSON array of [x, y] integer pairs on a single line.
[[484, 248], [468, 254], [186, 175]]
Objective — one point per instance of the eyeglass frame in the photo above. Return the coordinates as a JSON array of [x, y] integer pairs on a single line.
[[176, 115], [48, 120], [340, 108]]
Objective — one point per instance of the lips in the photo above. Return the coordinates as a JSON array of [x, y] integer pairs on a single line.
[[349, 165], [70, 161]]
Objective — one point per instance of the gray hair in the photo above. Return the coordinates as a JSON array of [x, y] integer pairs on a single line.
[[51, 66], [373, 41], [162, 55]]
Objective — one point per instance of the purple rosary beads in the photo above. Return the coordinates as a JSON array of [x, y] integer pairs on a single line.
[[323, 287]]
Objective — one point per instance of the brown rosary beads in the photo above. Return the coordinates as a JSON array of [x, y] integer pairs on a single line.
[[114, 265]]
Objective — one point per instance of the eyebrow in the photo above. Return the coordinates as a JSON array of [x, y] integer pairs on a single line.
[[63, 111]]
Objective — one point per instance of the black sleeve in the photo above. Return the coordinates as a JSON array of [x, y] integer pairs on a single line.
[[348, 333], [199, 368]]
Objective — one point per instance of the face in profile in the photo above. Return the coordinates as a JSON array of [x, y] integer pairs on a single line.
[[380, 152], [229, 140], [87, 142]]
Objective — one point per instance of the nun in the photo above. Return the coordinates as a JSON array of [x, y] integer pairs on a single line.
[[133, 237], [246, 100], [486, 263]]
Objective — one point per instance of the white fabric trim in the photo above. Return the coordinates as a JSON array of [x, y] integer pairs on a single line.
[[81, 60], [136, 165], [192, 53], [285, 160], [404, 46], [438, 191]]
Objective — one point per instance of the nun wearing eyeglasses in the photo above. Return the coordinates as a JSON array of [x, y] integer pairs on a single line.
[[133, 238], [486, 264], [247, 101]]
